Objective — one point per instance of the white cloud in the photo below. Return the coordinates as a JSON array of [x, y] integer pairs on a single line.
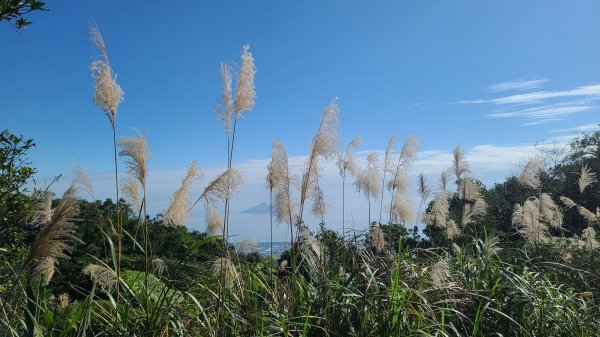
[[580, 128], [518, 84], [592, 91], [544, 114]]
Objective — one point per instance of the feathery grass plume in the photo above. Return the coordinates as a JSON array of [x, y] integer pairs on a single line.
[[214, 223], [530, 176], [245, 94], [103, 276], [400, 172], [107, 93], [82, 180], [439, 274], [367, 180], [324, 145], [319, 207], [438, 214], [63, 300], [460, 166], [568, 202], [131, 190], [224, 266], [279, 173], [54, 239], [46, 267], [474, 210], [310, 250], [346, 161], [43, 208], [588, 215], [456, 248], [402, 211], [377, 238], [387, 167], [222, 187], [589, 239], [178, 213], [444, 181], [468, 189], [158, 266], [225, 107], [533, 218], [248, 246], [491, 246], [136, 149], [423, 189], [586, 178]]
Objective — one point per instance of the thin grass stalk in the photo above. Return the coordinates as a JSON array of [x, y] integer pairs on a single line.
[[119, 219]]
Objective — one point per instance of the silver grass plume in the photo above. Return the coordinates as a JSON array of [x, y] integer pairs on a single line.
[[589, 239], [439, 274], [131, 190], [224, 266], [178, 213], [399, 183], [402, 211], [346, 161], [491, 247], [474, 210], [245, 94], [105, 277], [54, 239], [586, 178], [319, 207], [43, 208], [222, 187], [46, 267], [438, 214], [214, 223], [535, 216], [589, 215], [225, 107], [107, 93], [280, 176], [82, 180], [324, 145], [159, 266], [468, 189], [248, 246], [367, 179], [377, 238], [423, 189], [444, 181], [568, 202], [530, 176], [136, 150], [460, 166]]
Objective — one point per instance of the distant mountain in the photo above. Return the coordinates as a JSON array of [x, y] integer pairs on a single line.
[[262, 208]]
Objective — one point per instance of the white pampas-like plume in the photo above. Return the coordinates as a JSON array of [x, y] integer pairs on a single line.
[[178, 213], [222, 187], [319, 207], [438, 214], [402, 211], [159, 266], [460, 165], [323, 145], [469, 190], [423, 189], [377, 238], [54, 239], [444, 181], [280, 179], [245, 94], [531, 174], [43, 208], [535, 216], [225, 106], [439, 273], [586, 178], [46, 267], [107, 93], [81, 179], [225, 265], [131, 190], [346, 161], [214, 223], [367, 179], [474, 210], [103, 276], [589, 239], [136, 150]]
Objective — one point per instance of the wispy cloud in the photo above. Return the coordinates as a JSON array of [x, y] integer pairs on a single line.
[[580, 128], [518, 84], [545, 113], [592, 91]]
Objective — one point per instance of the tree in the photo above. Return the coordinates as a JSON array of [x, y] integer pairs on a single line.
[[15, 172], [13, 11]]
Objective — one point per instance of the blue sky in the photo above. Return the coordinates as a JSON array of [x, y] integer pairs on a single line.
[[493, 77]]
